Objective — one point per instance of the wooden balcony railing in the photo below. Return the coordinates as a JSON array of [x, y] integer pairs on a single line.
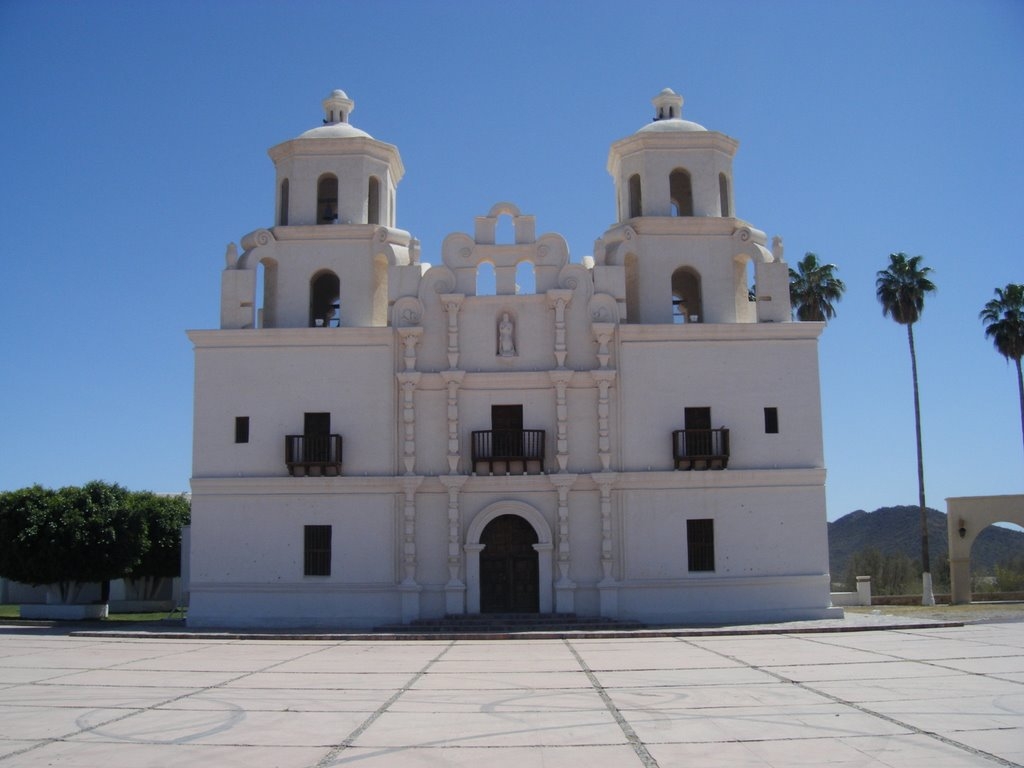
[[508, 446], [313, 455], [700, 448]]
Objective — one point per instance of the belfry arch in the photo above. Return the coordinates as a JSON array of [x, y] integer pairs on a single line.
[[966, 517]]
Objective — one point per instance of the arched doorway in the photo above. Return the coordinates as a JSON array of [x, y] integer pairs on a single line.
[[509, 567]]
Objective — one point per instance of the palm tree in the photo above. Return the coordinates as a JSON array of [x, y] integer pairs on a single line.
[[1004, 316], [813, 288], [901, 289]]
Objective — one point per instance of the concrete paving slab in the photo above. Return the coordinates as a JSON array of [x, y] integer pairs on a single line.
[[496, 729], [121, 755], [907, 698], [284, 700], [613, 756], [498, 680]]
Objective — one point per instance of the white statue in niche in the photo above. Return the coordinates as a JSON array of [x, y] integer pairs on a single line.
[[506, 337]]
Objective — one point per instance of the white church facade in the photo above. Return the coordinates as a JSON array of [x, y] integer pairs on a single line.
[[638, 438]]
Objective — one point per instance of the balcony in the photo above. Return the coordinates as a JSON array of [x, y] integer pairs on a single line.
[[700, 448], [313, 455], [508, 446]]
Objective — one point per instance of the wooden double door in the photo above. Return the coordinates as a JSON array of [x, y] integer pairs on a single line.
[[509, 567]]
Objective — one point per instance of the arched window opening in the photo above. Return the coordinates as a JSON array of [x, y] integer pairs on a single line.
[[681, 192], [327, 199], [723, 194], [373, 201], [632, 289], [504, 230], [266, 293], [486, 282], [526, 278], [324, 302], [687, 306], [636, 207], [282, 212]]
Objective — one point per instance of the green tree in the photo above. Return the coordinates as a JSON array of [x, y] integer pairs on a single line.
[[69, 536], [164, 517], [813, 287], [901, 288], [1004, 319]]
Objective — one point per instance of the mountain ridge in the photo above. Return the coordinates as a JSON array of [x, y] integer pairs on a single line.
[[897, 530]]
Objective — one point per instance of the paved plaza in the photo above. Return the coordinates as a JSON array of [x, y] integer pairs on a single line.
[[909, 697]]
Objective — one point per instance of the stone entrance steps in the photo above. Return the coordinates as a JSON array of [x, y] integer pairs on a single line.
[[510, 623]]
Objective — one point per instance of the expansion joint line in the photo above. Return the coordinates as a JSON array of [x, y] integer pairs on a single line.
[[863, 709], [634, 741], [337, 749]]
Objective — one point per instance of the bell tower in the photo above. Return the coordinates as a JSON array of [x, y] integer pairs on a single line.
[[324, 263], [687, 258]]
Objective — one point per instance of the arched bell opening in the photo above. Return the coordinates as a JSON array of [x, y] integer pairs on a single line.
[[324, 300], [687, 302]]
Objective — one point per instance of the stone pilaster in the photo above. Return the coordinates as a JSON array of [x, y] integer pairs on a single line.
[[608, 586], [558, 300], [455, 589], [451, 303], [560, 379], [564, 586], [604, 380], [452, 382], [408, 382], [409, 587], [409, 337]]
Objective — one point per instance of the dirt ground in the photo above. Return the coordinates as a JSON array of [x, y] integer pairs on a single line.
[[974, 613]]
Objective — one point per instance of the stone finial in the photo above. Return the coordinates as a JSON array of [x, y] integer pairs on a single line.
[[668, 105], [777, 248], [231, 255], [337, 107]]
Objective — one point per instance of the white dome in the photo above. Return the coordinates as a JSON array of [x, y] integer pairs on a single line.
[[672, 125], [333, 131]]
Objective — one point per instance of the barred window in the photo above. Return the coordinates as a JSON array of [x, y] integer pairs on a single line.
[[241, 429], [700, 545], [317, 550]]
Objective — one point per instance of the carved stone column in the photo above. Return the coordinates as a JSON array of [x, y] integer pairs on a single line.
[[604, 380], [408, 382], [451, 303], [608, 586], [455, 589], [559, 299], [564, 585], [409, 337], [561, 379], [603, 333], [409, 588], [452, 381]]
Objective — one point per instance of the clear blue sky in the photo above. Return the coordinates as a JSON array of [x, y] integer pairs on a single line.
[[135, 137]]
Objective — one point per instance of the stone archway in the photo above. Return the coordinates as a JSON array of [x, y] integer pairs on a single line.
[[966, 517], [475, 545]]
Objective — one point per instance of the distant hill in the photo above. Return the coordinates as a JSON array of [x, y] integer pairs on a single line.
[[897, 530]]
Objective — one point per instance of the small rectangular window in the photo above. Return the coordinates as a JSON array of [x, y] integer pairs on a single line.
[[771, 421], [241, 429], [700, 545], [317, 550]]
